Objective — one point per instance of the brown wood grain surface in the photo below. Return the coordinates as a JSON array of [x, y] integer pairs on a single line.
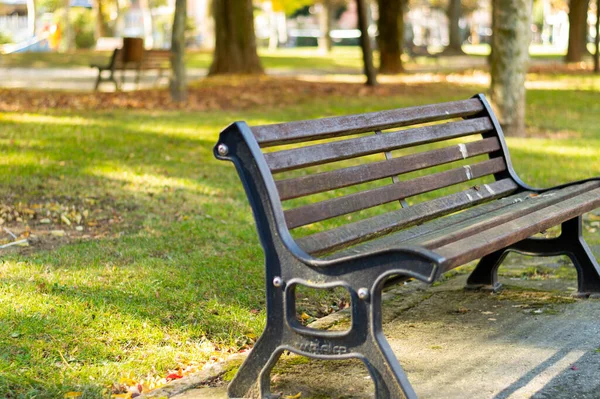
[[319, 154], [293, 132], [325, 181], [366, 199], [375, 226]]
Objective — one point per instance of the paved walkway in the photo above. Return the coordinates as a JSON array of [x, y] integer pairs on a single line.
[[84, 78], [530, 341], [78, 79]]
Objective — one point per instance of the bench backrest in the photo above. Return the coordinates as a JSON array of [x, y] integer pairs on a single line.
[[325, 169], [156, 59], [379, 133], [151, 59]]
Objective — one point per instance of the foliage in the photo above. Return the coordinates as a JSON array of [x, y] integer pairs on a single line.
[[468, 6], [50, 5], [5, 38], [83, 21], [289, 6]]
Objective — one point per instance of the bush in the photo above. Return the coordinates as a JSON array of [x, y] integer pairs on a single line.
[[5, 38], [83, 25]]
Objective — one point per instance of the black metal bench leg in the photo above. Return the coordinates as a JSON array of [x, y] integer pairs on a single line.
[[485, 275], [137, 78], [261, 355], [570, 243], [387, 373], [588, 270], [390, 380], [98, 80], [259, 359]]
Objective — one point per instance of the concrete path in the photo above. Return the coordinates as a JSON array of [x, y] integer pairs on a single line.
[[84, 78], [78, 79], [520, 343]]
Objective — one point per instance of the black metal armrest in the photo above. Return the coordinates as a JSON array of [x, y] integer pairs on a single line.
[[376, 258]]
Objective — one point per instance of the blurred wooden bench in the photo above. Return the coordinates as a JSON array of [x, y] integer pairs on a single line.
[[324, 173], [152, 60]]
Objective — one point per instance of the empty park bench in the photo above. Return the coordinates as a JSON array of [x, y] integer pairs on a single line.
[[487, 213], [157, 60]]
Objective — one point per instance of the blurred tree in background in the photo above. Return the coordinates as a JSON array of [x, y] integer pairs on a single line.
[[235, 44]]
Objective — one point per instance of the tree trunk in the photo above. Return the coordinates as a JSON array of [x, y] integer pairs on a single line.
[[100, 30], [31, 17], [511, 37], [454, 36], [178, 78], [325, 17], [68, 37], [391, 29], [597, 41], [273, 30], [577, 30], [365, 43], [235, 42]]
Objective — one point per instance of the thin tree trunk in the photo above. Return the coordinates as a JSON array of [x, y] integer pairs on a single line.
[[325, 16], [329, 26], [273, 31], [454, 36], [100, 30], [597, 41], [390, 36], [178, 78], [67, 34], [511, 37], [577, 30], [365, 43], [235, 41], [31, 17]]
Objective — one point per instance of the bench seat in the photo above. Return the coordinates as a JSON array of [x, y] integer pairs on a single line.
[[483, 229]]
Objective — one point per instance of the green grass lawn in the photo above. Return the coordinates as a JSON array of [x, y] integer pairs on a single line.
[[341, 59], [170, 275]]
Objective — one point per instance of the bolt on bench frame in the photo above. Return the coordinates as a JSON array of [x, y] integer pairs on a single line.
[[407, 247]]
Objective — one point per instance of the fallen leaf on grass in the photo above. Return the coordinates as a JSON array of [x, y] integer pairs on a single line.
[[174, 376], [73, 394], [211, 94]]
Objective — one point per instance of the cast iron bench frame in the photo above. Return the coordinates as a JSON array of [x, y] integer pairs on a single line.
[[152, 60], [497, 218]]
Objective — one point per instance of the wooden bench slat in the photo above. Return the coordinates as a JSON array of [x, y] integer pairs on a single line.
[[293, 132], [474, 220], [297, 158], [366, 199], [320, 182], [501, 236], [456, 232], [363, 230]]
